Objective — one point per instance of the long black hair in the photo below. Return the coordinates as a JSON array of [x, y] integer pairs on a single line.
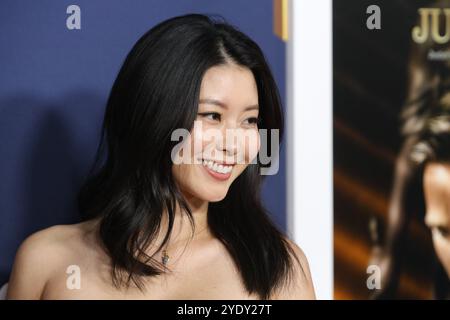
[[131, 184]]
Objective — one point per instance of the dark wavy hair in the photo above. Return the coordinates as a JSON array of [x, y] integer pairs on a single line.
[[433, 145], [131, 185], [426, 124], [433, 141]]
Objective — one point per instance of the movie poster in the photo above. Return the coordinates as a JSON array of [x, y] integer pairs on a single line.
[[391, 131]]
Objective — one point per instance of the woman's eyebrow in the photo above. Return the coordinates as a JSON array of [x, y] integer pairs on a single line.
[[223, 105], [253, 107]]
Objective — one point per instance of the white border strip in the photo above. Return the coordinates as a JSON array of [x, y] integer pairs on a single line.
[[309, 137]]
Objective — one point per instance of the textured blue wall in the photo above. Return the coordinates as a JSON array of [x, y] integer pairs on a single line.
[[54, 83]]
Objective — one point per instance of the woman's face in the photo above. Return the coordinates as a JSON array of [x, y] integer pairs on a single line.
[[437, 196], [225, 136]]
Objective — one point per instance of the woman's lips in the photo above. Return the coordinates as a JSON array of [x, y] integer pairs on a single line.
[[217, 175]]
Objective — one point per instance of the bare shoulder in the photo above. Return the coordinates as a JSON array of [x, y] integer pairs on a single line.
[[39, 256], [301, 287]]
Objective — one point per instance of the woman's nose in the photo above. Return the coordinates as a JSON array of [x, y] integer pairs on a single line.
[[230, 141]]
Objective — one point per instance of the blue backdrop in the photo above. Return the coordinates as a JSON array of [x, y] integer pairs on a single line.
[[54, 83]]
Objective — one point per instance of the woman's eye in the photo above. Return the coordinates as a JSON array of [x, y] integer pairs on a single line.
[[211, 115], [252, 121]]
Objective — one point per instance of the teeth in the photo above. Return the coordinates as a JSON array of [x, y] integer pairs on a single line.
[[224, 169]]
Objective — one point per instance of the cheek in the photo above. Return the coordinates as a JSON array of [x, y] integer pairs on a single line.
[[201, 142], [238, 169], [187, 177], [251, 145], [181, 174], [255, 147]]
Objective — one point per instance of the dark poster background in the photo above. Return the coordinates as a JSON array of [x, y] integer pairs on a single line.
[[370, 78]]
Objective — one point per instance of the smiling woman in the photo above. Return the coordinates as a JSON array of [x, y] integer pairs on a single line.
[[154, 229]]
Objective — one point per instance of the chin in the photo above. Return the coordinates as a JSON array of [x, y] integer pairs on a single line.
[[216, 197], [213, 195]]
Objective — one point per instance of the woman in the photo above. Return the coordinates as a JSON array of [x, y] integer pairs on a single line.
[[160, 228], [427, 97], [432, 153]]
